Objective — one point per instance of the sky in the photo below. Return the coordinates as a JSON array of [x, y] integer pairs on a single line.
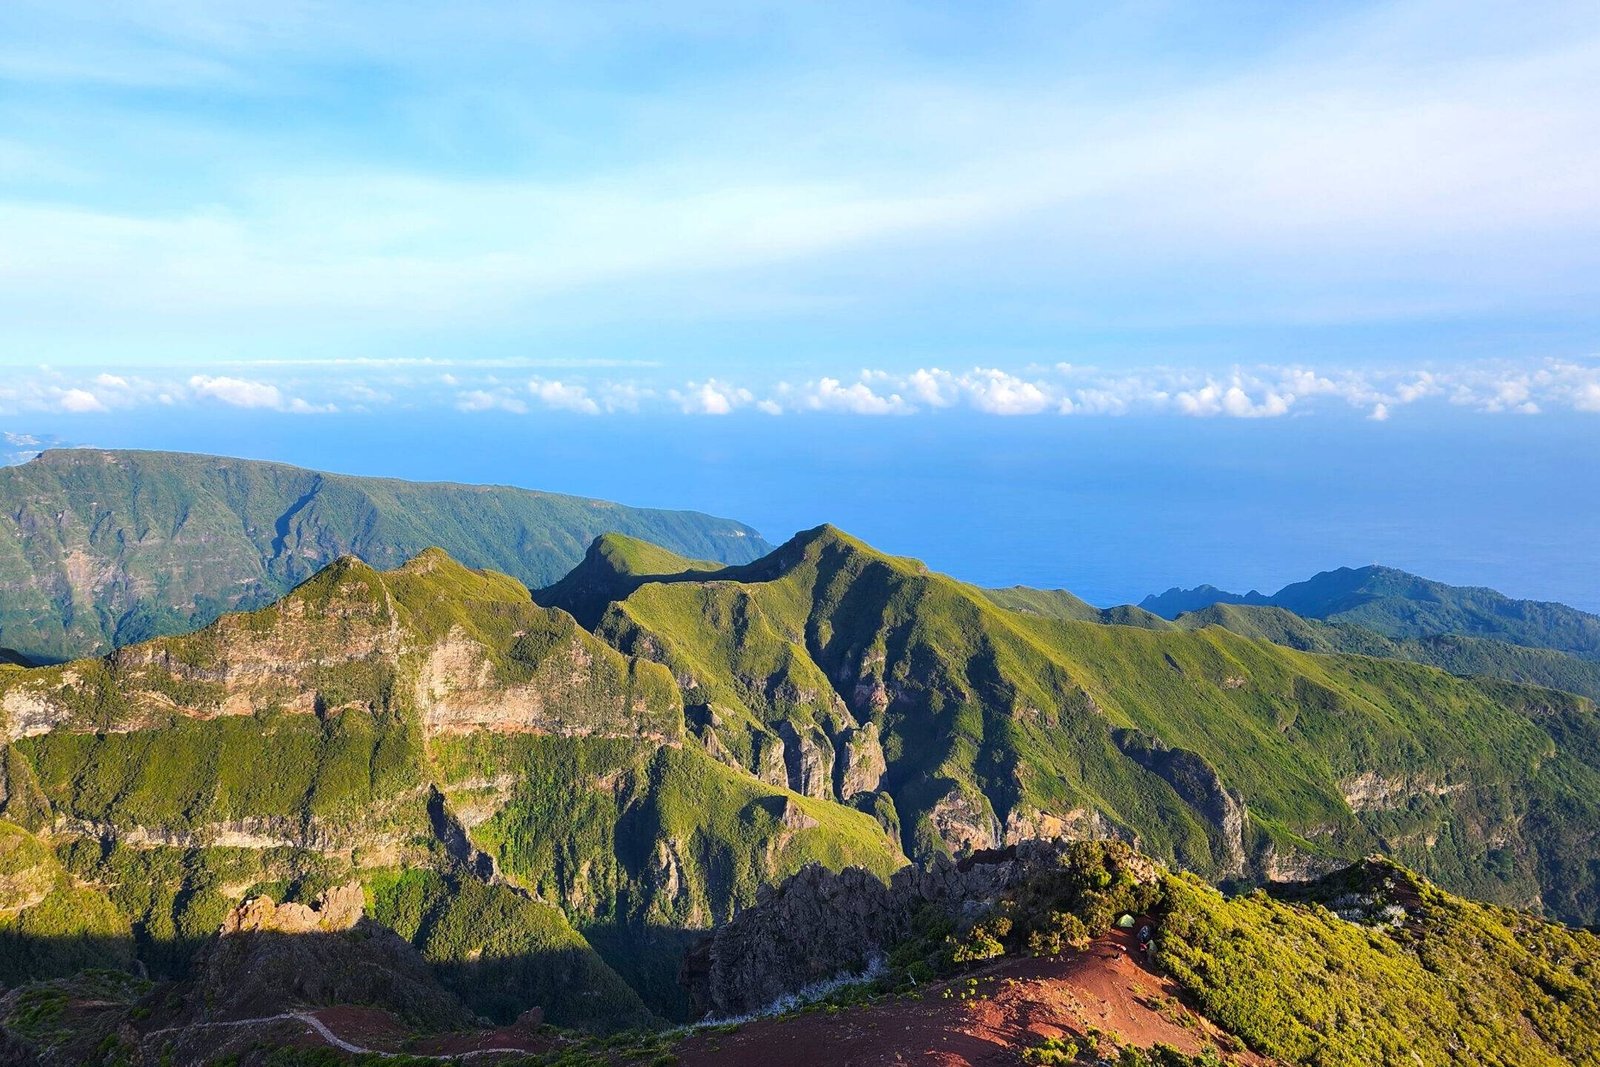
[[326, 211]]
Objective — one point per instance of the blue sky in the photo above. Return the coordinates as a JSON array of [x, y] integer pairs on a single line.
[[1192, 209], [1162, 292]]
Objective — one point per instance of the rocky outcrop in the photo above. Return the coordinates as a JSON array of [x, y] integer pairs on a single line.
[[964, 822], [1077, 824], [807, 764], [820, 925], [862, 762], [1370, 791], [270, 958], [1197, 783], [340, 908]]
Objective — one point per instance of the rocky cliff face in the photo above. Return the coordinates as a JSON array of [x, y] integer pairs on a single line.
[[820, 925], [272, 958]]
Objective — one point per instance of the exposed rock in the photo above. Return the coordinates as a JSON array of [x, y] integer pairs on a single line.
[[770, 764], [809, 765], [28, 712], [963, 822], [863, 762], [818, 925], [794, 816], [1078, 824], [1370, 791], [340, 908], [1278, 865], [1199, 786]]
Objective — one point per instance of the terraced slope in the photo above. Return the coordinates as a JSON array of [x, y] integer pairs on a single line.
[[106, 548], [852, 675]]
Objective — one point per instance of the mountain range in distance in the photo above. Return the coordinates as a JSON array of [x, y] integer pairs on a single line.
[[101, 548], [632, 787]]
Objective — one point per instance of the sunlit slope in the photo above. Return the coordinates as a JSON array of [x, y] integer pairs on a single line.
[[103, 548], [433, 733], [1228, 755]]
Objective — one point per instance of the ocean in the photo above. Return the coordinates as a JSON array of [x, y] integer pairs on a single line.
[[1110, 508]]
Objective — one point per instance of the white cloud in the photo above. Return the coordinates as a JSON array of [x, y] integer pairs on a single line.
[[931, 386], [997, 393], [483, 400], [563, 397], [80, 401], [1586, 396], [237, 392], [711, 397], [829, 394]]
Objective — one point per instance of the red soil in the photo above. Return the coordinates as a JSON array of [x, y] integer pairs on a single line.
[[1020, 1002]]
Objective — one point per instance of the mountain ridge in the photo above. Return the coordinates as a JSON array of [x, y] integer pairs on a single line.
[[100, 548], [1401, 605]]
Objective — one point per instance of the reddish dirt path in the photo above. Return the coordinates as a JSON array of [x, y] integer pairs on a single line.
[[1021, 1002]]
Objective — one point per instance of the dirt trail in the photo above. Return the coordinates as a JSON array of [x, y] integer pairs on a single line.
[[379, 1029], [1020, 1003]]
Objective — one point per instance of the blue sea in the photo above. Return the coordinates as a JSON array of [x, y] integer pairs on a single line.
[[1111, 508]]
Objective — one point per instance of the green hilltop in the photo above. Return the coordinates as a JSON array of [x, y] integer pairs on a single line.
[[105, 548], [1403, 606]]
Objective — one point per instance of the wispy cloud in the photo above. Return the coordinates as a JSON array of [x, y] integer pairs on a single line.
[[1410, 160]]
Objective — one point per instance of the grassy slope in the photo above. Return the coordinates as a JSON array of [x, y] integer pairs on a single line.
[[613, 566], [1467, 656], [1403, 606], [1016, 712], [1456, 983], [346, 790], [646, 843], [1060, 604], [101, 548]]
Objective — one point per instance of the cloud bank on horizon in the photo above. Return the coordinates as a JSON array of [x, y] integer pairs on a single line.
[[521, 387], [740, 199]]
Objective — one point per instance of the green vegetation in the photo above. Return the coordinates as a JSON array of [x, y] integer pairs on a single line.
[[613, 792], [1444, 982], [1403, 606], [1465, 656], [1223, 754], [51, 927], [501, 951], [174, 540]]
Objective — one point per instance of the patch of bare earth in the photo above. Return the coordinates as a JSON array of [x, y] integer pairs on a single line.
[[1018, 1004]]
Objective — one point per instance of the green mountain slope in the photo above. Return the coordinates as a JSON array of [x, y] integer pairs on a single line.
[[105, 548], [1403, 606], [1467, 656], [846, 673], [504, 785], [1372, 966], [1060, 604]]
